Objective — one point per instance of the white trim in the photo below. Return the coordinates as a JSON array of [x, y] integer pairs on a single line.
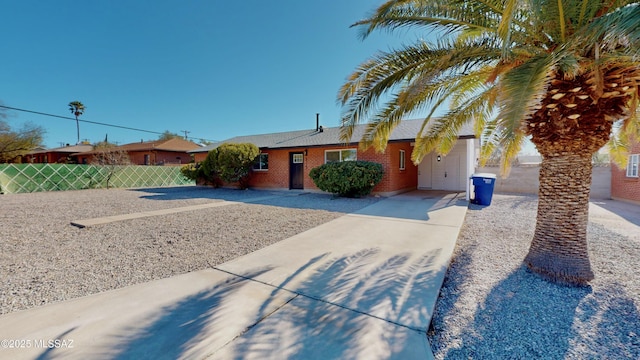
[[259, 163], [632, 165], [471, 165], [339, 151]]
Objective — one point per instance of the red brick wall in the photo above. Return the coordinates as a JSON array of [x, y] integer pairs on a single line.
[[199, 157], [394, 179], [623, 187], [155, 158], [46, 158], [160, 157]]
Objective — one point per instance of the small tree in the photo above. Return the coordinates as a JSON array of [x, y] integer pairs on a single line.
[[230, 163], [168, 135], [77, 109], [347, 178], [111, 159], [16, 143]]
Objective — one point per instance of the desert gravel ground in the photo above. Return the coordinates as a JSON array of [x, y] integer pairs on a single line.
[[44, 259], [491, 307]]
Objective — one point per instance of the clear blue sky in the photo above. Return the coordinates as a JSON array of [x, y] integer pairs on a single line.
[[217, 69]]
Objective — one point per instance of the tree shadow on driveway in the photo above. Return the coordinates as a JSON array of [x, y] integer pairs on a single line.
[[360, 305]]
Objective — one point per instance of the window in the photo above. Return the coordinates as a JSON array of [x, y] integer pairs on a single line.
[[298, 158], [262, 162], [632, 165], [340, 155], [402, 160]]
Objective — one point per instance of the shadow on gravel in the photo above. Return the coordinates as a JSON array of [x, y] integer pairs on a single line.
[[451, 289], [288, 199], [607, 326], [523, 317]]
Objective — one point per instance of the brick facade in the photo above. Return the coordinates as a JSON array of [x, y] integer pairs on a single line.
[[623, 187], [277, 176], [153, 157], [160, 157], [394, 180]]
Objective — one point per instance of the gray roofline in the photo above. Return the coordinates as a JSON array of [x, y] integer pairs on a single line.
[[405, 131]]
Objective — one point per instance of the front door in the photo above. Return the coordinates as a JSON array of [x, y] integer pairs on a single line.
[[296, 170]]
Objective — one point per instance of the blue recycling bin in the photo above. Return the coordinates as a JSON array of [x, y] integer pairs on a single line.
[[483, 184]]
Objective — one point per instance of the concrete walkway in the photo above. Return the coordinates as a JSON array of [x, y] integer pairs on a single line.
[[363, 286]]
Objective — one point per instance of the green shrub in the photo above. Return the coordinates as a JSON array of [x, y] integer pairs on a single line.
[[230, 163], [191, 171], [347, 178]]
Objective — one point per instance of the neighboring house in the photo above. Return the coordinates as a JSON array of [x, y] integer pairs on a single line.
[[159, 152], [65, 154], [625, 183], [286, 159]]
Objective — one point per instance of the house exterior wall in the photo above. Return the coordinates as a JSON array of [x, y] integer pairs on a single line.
[[394, 179], [156, 157], [622, 187], [160, 157], [200, 156], [46, 158]]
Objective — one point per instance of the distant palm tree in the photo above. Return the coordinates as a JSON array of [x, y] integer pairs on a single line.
[[77, 109], [564, 73]]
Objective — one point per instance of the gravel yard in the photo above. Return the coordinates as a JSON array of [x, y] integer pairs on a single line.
[[44, 259], [490, 307]]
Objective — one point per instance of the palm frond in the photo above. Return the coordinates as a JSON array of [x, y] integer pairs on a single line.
[[511, 146], [445, 17], [618, 146], [416, 74], [441, 133], [522, 89], [611, 30], [505, 26], [376, 77]]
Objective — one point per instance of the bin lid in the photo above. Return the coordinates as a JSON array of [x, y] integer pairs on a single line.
[[484, 175]]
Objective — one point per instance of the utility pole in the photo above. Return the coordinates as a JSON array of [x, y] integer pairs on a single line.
[[185, 134]]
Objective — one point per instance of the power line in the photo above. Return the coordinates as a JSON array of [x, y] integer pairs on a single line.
[[90, 122]]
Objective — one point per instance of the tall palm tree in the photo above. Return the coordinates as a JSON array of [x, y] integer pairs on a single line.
[[564, 73], [77, 109]]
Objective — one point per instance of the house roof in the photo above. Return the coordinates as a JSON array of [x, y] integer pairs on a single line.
[[64, 149], [405, 131], [174, 144]]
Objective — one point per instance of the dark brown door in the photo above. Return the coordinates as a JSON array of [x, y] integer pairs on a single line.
[[296, 170]]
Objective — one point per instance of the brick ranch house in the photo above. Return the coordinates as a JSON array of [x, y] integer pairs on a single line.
[[287, 157], [625, 183], [159, 152], [57, 155]]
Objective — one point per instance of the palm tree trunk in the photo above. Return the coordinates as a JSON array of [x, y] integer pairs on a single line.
[[558, 250], [78, 128]]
